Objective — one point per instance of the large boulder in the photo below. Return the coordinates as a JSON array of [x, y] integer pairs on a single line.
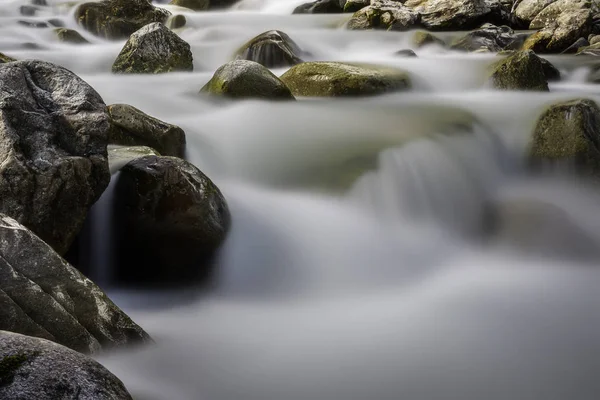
[[195, 5], [561, 25], [444, 15], [32, 368], [317, 79], [521, 71], [132, 127], [526, 10], [384, 14], [42, 295], [246, 79], [170, 219], [569, 133], [53, 140], [490, 38], [320, 7], [117, 19], [272, 49], [154, 49]]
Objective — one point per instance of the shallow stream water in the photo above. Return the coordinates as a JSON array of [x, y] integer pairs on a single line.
[[390, 286]]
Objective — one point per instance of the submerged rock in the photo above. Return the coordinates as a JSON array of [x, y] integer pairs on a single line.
[[32, 368], [154, 49], [521, 71], [569, 132], [320, 7], [170, 221], [117, 19], [316, 79], [42, 295], [53, 145], [69, 36], [272, 49], [489, 37], [195, 5], [446, 15], [177, 21], [246, 79], [384, 14], [132, 127]]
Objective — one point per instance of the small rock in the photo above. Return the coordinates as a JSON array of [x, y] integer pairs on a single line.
[[131, 127], [246, 79], [177, 21], [28, 11], [406, 53], [34, 24], [424, 38], [320, 7], [384, 14], [568, 132], [550, 71], [170, 220], [56, 22], [521, 71], [272, 49], [69, 36], [154, 49], [316, 79], [118, 19], [32, 368], [195, 5]]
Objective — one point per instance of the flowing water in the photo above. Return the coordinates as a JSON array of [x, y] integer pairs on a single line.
[[382, 248]]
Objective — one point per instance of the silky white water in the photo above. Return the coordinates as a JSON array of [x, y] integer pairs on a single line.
[[441, 270]]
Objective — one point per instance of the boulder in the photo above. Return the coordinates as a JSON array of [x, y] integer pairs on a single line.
[[170, 219], [131, 127], [69, 36], [195, 5], [320, 7], [527, 10], [446, 15], [568, 132], [316, 79], [32, 368], [6, 59], [489, 37], [53, 140], [355, 5], [521, 71], [118, 19], [246, 79], [42, 295], [154, 49], [550, 13], [560, 31], [384, 14], [272, 49], [119, 156], [424, 38]]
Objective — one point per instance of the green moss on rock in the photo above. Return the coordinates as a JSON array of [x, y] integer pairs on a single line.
[[6, 59], [332, 79], [424, 38], [523, 70], [69, 36], [9, 365]]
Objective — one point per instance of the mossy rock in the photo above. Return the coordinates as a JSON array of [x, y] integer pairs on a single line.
[[521, 71], [272, 49], [6, 59], [195, 5], [424, 38], [386, 15], [117, 19], [356, 5], [450, 15], [154, 49], [246, 79], [332, 79], [569, 132], [69, 36], [10, 364]]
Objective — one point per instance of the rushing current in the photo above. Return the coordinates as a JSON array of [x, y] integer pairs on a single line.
[[392, 247]]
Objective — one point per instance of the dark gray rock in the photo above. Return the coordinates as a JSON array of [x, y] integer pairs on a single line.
[[406, 53], [154, 49], [42, 295], [523, 70], [272, 49], [28, 11], [246, 79], [218, 4], [132, 127], [575, 47], [320, 7], [177, 21], [195, 5], [69, 36], [489, 37], [170, 220], [117, 19], [550, 71], [53, 140], [32, 368], [355, 5], [34, 24]]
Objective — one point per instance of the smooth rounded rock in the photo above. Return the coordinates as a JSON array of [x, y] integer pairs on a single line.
[[523, 70]]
